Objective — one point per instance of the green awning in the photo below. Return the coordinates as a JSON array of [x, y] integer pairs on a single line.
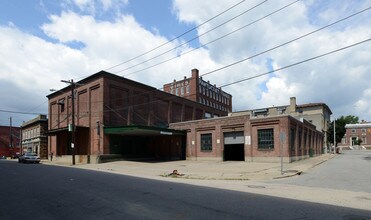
[[138, 130]]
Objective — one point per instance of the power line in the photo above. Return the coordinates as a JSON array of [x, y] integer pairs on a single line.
[[295, 64], [23, 113], [276, 47], [197, 37], [219, 38], [266, 73], [288, 42], [177, 37], [229, 84]]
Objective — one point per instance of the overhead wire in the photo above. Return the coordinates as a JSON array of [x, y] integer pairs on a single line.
[[177, 37], [262, 74], [271, 49], [17, 112], [259, 75], [192, 39], [297, 63], [213, 41]]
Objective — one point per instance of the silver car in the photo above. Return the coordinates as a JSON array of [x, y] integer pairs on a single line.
[[29, 158]]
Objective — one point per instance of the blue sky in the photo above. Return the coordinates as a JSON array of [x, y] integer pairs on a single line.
[[44, 41]]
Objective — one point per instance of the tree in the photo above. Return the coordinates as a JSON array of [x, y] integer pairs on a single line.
[[340, 127]]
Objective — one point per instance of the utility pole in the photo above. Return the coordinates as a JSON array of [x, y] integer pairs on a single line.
[[10, 133], [334, 136], [72, 129]]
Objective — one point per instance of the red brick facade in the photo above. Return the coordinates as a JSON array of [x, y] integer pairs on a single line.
[[9, 144], [356, 132], [298, 140], [105, 100], [198, 90]]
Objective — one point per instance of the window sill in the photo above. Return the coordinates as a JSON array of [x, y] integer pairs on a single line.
[[269, 149]]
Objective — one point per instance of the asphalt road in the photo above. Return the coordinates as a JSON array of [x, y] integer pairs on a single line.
[[37, 191], [349, 171]]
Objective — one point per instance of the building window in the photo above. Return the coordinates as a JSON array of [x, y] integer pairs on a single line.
[[266, 138], [353, 130], [176, 91], [182, 91], [363, 130], [292, 138], [363, 140], [188, 89], [206, 142]]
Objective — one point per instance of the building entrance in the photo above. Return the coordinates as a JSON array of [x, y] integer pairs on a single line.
[[234, 146]]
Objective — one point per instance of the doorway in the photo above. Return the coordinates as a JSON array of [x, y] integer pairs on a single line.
[[234, 146]]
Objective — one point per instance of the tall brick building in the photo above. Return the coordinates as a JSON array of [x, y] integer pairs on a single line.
[[9, 140], [198, 90], [117, 116]]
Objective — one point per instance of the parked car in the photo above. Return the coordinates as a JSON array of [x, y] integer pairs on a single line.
[[29, 158], [3, 157]]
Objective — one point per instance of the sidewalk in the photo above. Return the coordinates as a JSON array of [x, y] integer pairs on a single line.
[[205, 170], [250, 177]]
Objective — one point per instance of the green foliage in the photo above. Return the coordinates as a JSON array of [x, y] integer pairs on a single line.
[[358, 142], [340, 127]]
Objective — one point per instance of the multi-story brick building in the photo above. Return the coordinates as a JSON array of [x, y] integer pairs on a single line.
[[356, 132], [33, 136], [9, 141], [118, 116], [198, 90]]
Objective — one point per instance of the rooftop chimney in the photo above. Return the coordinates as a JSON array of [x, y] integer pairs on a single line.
[[292, 104], [195, 73]]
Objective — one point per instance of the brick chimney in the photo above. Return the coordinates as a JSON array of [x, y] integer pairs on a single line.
[[195, 73], [292, 104]]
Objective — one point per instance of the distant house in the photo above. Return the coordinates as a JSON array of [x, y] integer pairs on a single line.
[[33, 136], [9, 141], [355, 133]]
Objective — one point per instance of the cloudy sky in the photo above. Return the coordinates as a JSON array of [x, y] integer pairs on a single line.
[[45, 41]]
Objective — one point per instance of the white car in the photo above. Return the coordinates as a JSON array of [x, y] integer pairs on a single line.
[[29, 158]]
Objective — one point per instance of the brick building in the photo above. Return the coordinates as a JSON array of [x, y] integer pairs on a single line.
[[318, 114], [33, 136], [115, 116], [356, 132], [245, 138], [9, 141], [198, 90]]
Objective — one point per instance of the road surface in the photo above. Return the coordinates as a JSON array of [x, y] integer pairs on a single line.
[[37, 191]]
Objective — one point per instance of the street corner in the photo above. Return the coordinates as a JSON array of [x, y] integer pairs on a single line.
[[288, 173]]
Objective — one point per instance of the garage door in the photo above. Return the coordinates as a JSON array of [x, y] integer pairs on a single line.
[[234, 138]]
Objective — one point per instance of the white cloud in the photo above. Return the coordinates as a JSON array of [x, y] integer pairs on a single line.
[[340, 80]]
